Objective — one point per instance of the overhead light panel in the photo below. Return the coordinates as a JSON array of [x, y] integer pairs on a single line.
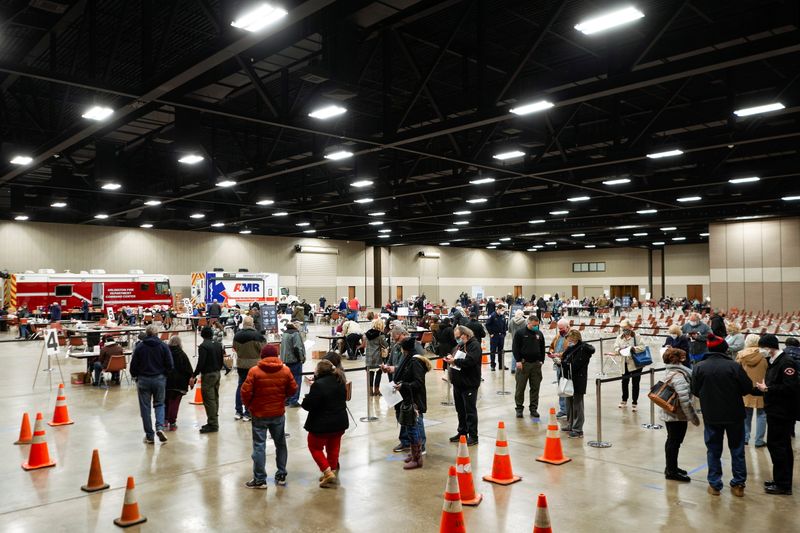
[[461, 222], [559, 212], [537, 221], [629, 226], [491, 247], [622, 239], [451, 230], [505, 239], [265, 202], [590, 246], [659, 243], [98, 113], [551, 243], [361, 183], [21, 218], [152, 203], [647, 211], [679, 238], [477, 201], [303, 224], [668, 228], [444, 244], [110, 186], [385, 230], [538, 246], [21, 160], [226, 183], [578, 199], [508, 155], [689, 199], [384, 236], [458, 213], [363, 200], [280, 214], [578, 235], [197, 215], [527, 109], [146, 226], [376, 223], [609, 20], [101, 216], [377, 214], [217, 224], [757, 110], [790, 198], [620, 181], [309, 231], [668, 153], [246, 232], [259, 17], [481, 181], [191, 159], [497, 243], [338, 155], [58, 204], [640, 234], [751, 179], [705, 234], [326, 112], [537, 234]]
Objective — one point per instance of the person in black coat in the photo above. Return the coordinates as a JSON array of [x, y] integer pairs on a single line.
[[718, 324], [679, 341], [575, 366], [409, 379], [445, 340], [209, 363], [177, 381], [477, 328], [326, 403], [465, 375]]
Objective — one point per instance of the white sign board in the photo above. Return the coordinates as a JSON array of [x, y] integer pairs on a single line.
[[402, 311], [51, 341], [110, 313]]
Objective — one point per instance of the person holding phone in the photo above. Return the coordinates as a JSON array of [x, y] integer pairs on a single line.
[[465, 375]]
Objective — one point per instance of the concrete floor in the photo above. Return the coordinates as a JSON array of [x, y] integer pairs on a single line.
[[194, 482]]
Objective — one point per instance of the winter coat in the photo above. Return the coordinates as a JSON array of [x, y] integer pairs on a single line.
[[466, 373], [755, 365], [214, 310], [292, 348], [515, 324], [718, 326], [702, 335], [258, 322], [575, 365], [298, 313], [620, 343], [680, 379], [477, 329], [735, 344], [210, 357], [266, 388], [528, 346], [720, 383], [178, 378], [410, 374], [326, 403], [680, 343], [783, 386], [108, 351], [372, 354], [247, 344], [151, 358], [497, 324], [446, 340], [490, 307]]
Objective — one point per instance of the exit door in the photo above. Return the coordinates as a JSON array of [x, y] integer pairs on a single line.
[[694, 292], [399, 293], [351, 292], [517, 291]]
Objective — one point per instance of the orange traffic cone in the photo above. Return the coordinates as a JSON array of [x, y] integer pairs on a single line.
[[25, 435], [501, 467], [95, 482], [61, 415], [130, 509], [39, 456], [452, 515], [198, 394], [464, 470], [552, 445], [541, 524]]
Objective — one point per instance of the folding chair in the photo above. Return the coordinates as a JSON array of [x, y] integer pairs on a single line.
[[118, 363]]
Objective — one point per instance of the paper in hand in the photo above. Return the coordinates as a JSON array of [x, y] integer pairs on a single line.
[[625, 352], [460, 355], [389, 396]]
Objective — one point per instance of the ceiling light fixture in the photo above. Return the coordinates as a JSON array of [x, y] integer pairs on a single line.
[[458, 213], [461, 222], [259, 18], [640, 234], [217, 224], [338, 155], [609, 20], [578, 199], [659, 243], [197, 215], [538, 246], [98, 113], [668, 153], [101, 216], [377, 214], [578, 235], [327, 112], [505, 239], [513, 154], [191, 159], [551, 243], [451, 230], [481, 181], [751, 179], [626, 227], [689, 199], [146, 226], [790, 198], [444, 244], [536, 221], [58, 204], [590, 246], [303, 224], [21, 217], [527, 109], [559, 212], [309, 231], [668, 228], [384, 236], [110, 186], [532, 250], [363, 200], [361, 183], [246, 232], [280, 214], [21, 160], [226, 183], [497, 243], [265, 202], [679, 238], [538, 234], [477, 201], [385, 230], [152, 203], [747, 111], [647, 211], [705, 234], [376, 223], [622, 239], [620, 181], [491, 247]]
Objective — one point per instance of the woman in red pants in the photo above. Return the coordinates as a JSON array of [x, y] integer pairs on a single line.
[[327, 420]]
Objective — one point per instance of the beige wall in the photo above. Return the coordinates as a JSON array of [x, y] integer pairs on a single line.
[[686, 264], [755, 265]]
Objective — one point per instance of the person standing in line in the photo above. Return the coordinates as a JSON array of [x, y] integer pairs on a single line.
[[151, 361], [268, 386], [497, 325], [676, 339], [209, 365], [735, 340], [293, 354], [780, 388], [698, 332], [557, 347], [465, 375], [517, 323], [629, 341], [718, 324], [177, 381], [247, 343], [214, 312], [409, 380], [721, 383], [258, 320], [755, 365], [679, 377], [617, 306], [575, 366], [373, 354], [528, 349], [477, 329], [491, 306], [399, 335], [218, 329]]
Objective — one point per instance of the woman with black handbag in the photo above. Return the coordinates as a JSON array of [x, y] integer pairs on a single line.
[[409, 379], [679, 378]]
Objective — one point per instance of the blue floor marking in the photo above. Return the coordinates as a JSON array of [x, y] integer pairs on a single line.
[[699, 468]]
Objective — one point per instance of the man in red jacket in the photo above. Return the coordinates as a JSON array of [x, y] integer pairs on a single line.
[[264, 393]]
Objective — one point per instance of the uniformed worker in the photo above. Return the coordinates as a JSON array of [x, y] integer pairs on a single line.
[[780, 390]]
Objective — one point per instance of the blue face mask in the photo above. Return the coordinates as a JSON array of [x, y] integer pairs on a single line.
[[535, 328], [460, 341]]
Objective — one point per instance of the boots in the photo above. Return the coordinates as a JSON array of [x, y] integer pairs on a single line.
[[416, 458]]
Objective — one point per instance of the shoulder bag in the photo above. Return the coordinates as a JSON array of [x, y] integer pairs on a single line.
[[407, 415], [566, 389], [663, 395], [642, 359], [348, 390]]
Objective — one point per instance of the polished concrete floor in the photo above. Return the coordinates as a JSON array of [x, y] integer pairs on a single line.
[[195, 482]]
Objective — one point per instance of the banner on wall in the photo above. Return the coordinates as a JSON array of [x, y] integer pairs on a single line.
[[477, 292]]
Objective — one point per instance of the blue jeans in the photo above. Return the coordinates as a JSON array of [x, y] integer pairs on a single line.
[[496, 345], [713, 436], [562, 402], [275, 426], [405, 438], [240, 409], [297, 372], [24, 331], [151, 388], [761, 425]]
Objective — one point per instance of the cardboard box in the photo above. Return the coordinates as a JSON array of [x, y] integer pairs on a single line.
[[318, 354]]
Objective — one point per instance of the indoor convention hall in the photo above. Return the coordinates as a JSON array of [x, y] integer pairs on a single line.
[[347, 266]]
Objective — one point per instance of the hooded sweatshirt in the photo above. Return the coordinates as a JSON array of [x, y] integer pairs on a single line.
[[755, 365], [292, 348], [516, 323], [266, 388], [151, 358]]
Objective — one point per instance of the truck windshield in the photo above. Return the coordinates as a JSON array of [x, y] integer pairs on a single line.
[[284, 291], [162, 288]]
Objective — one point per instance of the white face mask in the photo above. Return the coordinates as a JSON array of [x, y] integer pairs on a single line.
[[765, 352], [673, 335], [693, 323]]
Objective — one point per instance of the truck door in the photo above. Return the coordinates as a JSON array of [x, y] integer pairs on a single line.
[[97, 294]]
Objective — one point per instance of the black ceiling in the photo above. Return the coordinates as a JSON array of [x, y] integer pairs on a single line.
[[428, 86]]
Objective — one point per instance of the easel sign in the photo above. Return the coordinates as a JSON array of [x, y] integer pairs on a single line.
[[50, 349], [51, 341], [110, 313]]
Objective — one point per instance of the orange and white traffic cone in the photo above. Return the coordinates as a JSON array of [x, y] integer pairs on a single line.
[[452, 514], [95, 481], [541, 524], [25, 435], [552, 445], [39, 456], [198, 394], [130, 508], [61, 414], [501, 467], [464, 470]]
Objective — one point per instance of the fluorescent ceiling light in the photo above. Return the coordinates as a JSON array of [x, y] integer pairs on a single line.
[[191, 159], [659, 243], [668, 228], [339, 154], [361, 183], [265, 202], [98, 113], [246, 232], [527, 109], [551, 243], [461, 222], [309, 231], [477, 201], [377, 214], [152, 202], [363, 200], [690, 199], [110, 186], [259, 18], [226, 183], [21, 160], [280, 214], [197, 215], [668, 153], [609, 20], [626, 227], [444, 244], [217, 224], [497, 243], [640, 234], [647, 211], [535, 234], [790, 198], [491, 247], [303, 224], [508, 155], [749, 217], [578, 235], [21, 217], [58, 204], [384, 236], [619, 181], [481, 181], [745, 180], [537, 246], [704, 234], [590, 246], [451, 230], [559, 212], [622, 239], [101, 216], [578, 199], [328, 112], [505, 239], [462, 212], [747, 111], [386, 230], [679, 238], [536, 221], [376, 223], [146, 226]]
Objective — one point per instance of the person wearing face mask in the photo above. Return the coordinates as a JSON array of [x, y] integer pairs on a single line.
[[575, 364], [528, 349], [465, 375], [497, 325], [698, 331], [679, 341], [679, 378], [735, 340], [517, 323], [557, 347], [629, 340], [755, 365], [780, 389]]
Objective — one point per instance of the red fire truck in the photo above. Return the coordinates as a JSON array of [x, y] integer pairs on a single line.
[[101, 290]]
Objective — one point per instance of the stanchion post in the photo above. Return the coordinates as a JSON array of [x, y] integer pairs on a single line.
[[449, 400], [652, 424], [369, 417], [503, 391], [599, 443]]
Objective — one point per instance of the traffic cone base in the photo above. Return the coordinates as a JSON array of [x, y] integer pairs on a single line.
[[25, 435], [501, 466], [95, 481], [130, 508], [198, 395], [553, 454], [61, 414], [541, 524], [39, 456], [452, 514], [513, 479], [464, 472]]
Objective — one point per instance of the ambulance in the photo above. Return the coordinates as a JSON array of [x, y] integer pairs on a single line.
[[239, 288]]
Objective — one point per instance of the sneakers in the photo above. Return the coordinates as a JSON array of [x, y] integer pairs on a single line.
[[208, 429], [560, 414], [280, 479], [455, 438], [328, 480], [172, 427], [253, 484], [401, 448], [148, 440], [161, 436], [472, 441], [237, 416], [247, 418]]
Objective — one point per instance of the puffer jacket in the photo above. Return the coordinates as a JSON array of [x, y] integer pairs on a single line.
[[247, 344], [292, 348], [326, 405], [375, 341], [267, 387], [680, 378], [755, 365]]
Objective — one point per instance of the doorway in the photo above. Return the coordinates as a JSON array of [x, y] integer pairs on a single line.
[[399, 293], [694, 292], [351, 292], [574, 291], [624, 290], [517, 291]]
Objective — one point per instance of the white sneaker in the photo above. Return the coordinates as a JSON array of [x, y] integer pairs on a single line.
[[237, 416], [246, 418]]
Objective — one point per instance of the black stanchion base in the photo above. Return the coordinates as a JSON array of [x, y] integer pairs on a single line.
[[652, 426], [503, 392], [448, 403], [368, 418], [599, 444]]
